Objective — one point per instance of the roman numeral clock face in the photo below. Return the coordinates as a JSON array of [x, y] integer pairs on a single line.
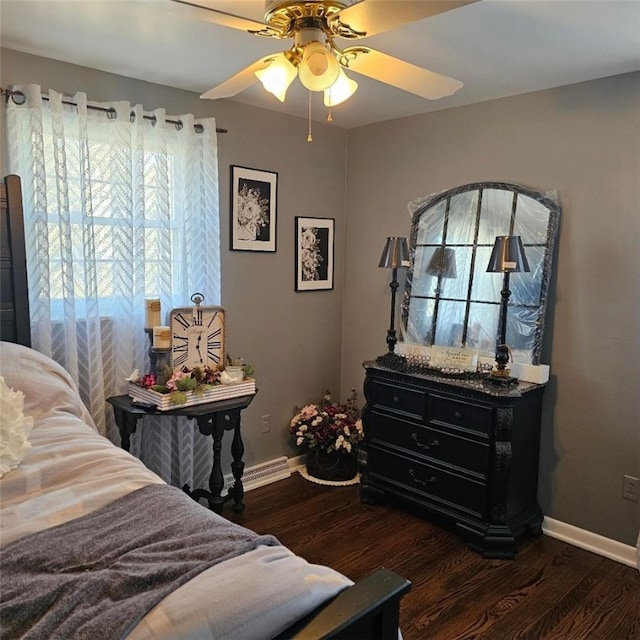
[[197, 337]]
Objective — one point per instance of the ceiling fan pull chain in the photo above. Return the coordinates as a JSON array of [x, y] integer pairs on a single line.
[[309, 136]]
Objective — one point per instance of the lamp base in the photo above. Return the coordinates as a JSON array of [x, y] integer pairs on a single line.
[[392, 360], [501, 375], [501, 378]]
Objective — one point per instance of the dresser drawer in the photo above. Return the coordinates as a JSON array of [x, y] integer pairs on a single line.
[[398, 399], [430, 481], [428, 442], [459, 413]]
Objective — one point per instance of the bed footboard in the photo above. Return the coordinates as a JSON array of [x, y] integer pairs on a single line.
[[370, 610]]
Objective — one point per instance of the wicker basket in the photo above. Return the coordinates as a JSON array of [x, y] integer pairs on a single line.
[[334, 466]]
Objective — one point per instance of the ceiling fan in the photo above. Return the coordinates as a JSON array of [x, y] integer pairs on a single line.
[[315, 58]]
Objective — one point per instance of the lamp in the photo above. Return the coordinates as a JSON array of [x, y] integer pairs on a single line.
[[507, 257], [342, 89], [315, 61], [318, 69], [395, 255], [277, 77], [442, 263]]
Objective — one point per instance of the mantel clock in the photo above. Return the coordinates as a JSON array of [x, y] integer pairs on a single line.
[[197, 335]]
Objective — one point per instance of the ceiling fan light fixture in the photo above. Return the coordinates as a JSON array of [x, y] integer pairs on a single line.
[[342, 89], [278, 76], [319, 68]]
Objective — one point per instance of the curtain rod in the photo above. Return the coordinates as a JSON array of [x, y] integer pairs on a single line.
[[19, 98]]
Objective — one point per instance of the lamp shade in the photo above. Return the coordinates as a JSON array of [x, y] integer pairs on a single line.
[[443, 263], [277, 77], [319, 68], [508, 255], [342, 89], [395, 254]]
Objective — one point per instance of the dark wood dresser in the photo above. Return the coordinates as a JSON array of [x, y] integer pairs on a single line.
[[464, 450]]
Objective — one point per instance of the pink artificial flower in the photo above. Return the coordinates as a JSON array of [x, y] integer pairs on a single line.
[[177, 375], [148, 380]]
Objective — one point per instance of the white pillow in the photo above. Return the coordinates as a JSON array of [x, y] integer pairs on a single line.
[[15, 428]]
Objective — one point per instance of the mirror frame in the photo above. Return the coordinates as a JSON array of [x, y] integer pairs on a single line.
[[426, 210]]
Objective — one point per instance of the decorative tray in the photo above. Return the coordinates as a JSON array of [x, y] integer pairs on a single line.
[[220, 392]]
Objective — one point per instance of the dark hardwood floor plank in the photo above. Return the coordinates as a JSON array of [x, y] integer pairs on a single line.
[[627, 613], [537, 584], [577, 612], [497, 599], [551, 590]]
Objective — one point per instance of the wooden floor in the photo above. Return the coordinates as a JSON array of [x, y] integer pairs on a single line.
[[552, 589]]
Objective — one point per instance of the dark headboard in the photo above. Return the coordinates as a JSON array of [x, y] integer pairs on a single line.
[[14, 297]]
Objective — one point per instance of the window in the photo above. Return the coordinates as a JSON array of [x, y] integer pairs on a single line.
[[119, 206]]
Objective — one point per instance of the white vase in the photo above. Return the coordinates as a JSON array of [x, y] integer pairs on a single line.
[[235, 373]]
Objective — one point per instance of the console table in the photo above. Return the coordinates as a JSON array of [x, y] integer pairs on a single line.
[[465, 450], [213, 418]]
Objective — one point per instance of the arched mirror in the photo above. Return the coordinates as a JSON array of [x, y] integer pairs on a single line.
[[450, 299]]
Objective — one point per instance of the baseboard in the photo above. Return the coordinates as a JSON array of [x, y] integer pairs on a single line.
[[612, 549], [261, 474], [297, 463]]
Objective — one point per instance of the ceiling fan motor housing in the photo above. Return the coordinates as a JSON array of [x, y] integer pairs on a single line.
[[287, 17]]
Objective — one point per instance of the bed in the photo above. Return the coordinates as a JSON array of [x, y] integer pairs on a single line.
[[84, 553]]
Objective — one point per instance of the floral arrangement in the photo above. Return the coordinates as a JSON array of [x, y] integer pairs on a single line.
[[177, 383], [330, 426]]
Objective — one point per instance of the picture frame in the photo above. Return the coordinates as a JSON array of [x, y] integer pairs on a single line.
[[254, 200], [314, 264]]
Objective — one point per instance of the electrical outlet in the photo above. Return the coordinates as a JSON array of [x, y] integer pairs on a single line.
[[630, 488], [266, 427]]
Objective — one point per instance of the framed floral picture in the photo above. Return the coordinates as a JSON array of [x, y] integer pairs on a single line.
[[254, 195], [314, 253]]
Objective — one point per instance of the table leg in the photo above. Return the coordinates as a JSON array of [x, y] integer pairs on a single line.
[[237, 468], [210, 425], [126, 423], [216, 479], [215, 425]]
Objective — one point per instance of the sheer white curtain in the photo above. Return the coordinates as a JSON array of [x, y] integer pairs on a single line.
[[118, 208]]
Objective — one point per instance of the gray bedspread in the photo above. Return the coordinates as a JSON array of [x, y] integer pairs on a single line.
[[97, 576]]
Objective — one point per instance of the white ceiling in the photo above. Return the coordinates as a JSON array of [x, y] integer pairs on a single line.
[[496, 48]]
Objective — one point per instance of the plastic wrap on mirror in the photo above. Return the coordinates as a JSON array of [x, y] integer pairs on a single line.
[[449, 298]]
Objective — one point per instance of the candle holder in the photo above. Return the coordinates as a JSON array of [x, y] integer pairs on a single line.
[[158, 357], [153, 357], [162, 358]]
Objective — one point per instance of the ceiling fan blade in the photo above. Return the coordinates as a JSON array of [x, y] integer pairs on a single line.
[[376, 16], [405, 76], [240, 81], [223, 18]]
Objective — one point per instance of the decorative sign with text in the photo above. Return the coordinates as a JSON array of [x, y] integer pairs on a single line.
[[454, 358]]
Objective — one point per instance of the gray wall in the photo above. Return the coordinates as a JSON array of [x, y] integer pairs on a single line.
[[584, 142], [293, 339]]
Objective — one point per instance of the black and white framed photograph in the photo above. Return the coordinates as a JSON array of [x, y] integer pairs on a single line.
[[314, 253], [254, 195]]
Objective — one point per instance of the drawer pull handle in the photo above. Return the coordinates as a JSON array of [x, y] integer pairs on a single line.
[[422, 445], [457, 415], [422, 483], [396, 399]]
